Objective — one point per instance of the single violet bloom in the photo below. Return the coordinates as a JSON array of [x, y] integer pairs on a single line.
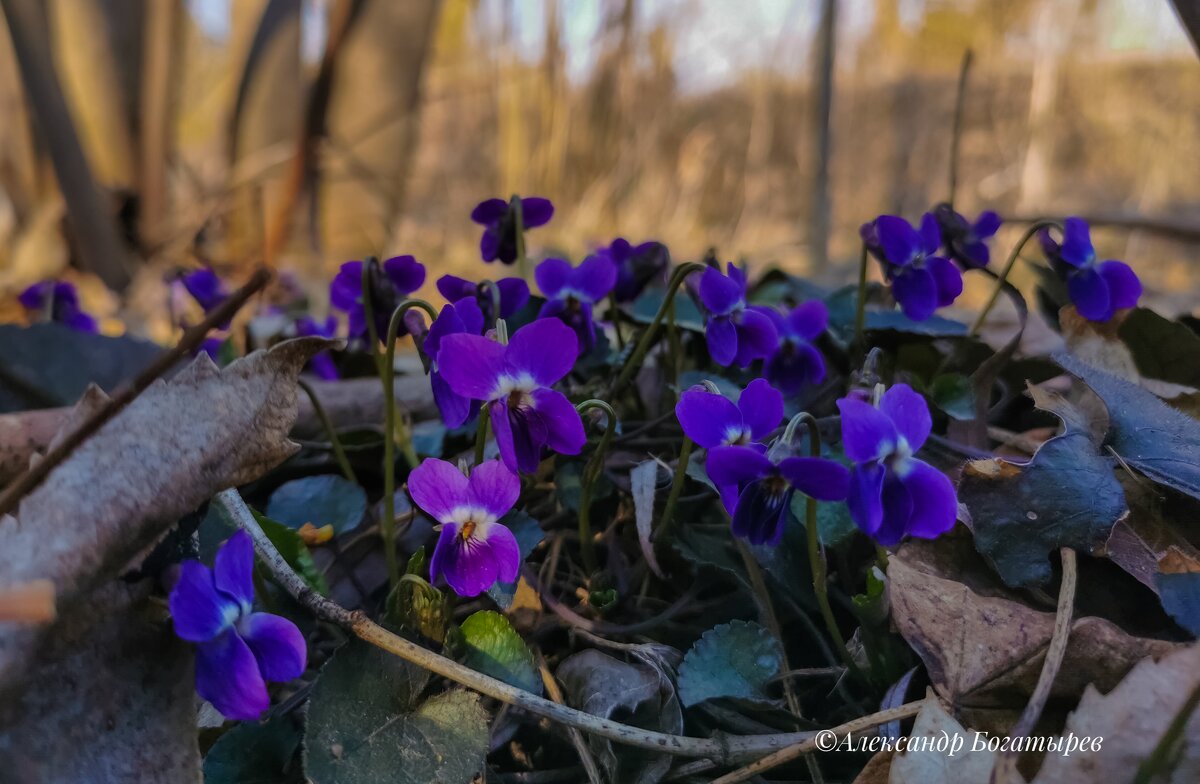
[[893, 494], [59, 301], [499, 220], [736, 334], [512, 294], [474, 549], [322, 364], [514, 381], [710, 419], [571, 293], [237, 650], [921, 280], [637, 266], [1098, 289], [206, 287], [797, 362], [462, 317], [390, 283], [964, 241], [757, 488]]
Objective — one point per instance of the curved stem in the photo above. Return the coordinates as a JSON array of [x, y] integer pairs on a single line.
[[387, 526], [616, 319], [481, 432], [522, 260], [647, 338], [668, 514], [591, 473], [369, 312], [339, 453], [956, 138], [768, 617], [860, 305], [1008, 265]]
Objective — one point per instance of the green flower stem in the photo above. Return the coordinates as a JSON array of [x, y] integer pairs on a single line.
[[339, 453], [667, 520], [768, 617], [494, 293], [522, 259], [960, 100], [860, 306], [816, 556], [387, 525], [616, 320], [1008, 265], [651, 332], [369, 313], [481, 433], [675, 353], [591, 474]]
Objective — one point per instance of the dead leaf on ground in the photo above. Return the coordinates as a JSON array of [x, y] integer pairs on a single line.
[[936, 764], [981, 646]]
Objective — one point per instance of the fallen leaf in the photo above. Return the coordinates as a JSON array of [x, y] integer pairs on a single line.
[[31, 602], [643, 481], [1131, 719], [926, 762], [1162, 349]]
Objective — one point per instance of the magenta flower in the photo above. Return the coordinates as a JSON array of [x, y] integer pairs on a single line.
[[921, 280], [499, 220], [966, 242], [58, 301], [571, 292], [797, 363], [391, 282], [237, 650], [711, 419], [474, 549], [893, 494], [1098, 290], [463, 317], [514, 381], [513, 294], [756, 487], [736, 334], [321, 365], [637, 266]]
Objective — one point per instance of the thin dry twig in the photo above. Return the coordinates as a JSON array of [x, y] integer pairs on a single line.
[[191, 340], [581, 748]]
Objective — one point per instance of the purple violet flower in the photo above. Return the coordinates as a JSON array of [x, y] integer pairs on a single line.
[[321, 365], [473, 549], [571, 292], [462, 317], [206, 287], [893, 494], [711, 419], [736, 334], [921, 281], [637, 266], [756, 487], [513, 294], [391, 282], [499, 219], [1098, 290], [58, 300], [237, 650], [514, 381], [797, 363], [964, 241]]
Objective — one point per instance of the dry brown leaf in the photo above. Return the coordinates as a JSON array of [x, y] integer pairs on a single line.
[[940, 765], [877, 769], [981, 646], [175, 446], [1131, 719], [1153, 529]]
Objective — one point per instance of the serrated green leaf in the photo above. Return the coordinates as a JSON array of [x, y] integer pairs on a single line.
[[367, 723], [321, 500], [735, 659], [253, 753], [487, 642]]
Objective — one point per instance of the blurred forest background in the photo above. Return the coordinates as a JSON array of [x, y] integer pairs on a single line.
[[146, 136]]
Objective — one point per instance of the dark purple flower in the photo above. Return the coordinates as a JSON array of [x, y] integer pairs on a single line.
[[571, 292], [1098, 290], [736, 334], [237, 650], [463, 317], [474, 549], [514, 381], [921, 280], [391, 282], [756, 487], [966, 242], [211, 346], [512, 293], [321, 365], [637, 266], [797, 363], [499, 219], [711, 419], [206, 287], [58, 301], [893, 494]]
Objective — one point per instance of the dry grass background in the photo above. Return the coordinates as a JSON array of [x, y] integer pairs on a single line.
[[192, 138]]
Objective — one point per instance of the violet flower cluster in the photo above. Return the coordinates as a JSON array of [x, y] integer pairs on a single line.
[[922, 281], [572, 292], [389, 284], [57, 301], [737, 334], [1098, 289]]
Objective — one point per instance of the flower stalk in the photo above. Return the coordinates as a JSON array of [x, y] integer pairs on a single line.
[[1002, 278], [668, 515], [591, 473], [339, 452], [860, 305]]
